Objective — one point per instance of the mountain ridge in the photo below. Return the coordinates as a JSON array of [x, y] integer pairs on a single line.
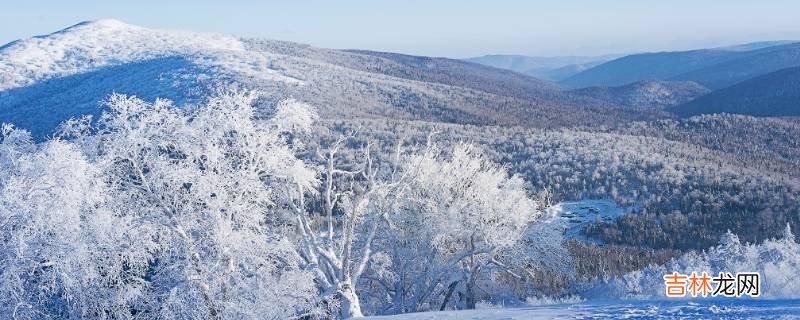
[[549, 68], [73, 66], [692, 65]]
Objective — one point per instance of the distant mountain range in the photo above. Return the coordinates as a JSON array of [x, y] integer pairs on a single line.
[[756, 78], [756, 45], [548, 68], [773, 94], [713, 68], [750, 64]]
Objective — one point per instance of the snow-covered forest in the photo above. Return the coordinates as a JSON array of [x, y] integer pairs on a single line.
[[213, 211], [158, 174], [207, 212]]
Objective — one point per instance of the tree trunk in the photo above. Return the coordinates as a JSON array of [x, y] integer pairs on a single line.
[[398, 300], [350, 305], [450, 289], [470, 291]]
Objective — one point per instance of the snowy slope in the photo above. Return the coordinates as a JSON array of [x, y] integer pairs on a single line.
[[90, 45], [46, 79]]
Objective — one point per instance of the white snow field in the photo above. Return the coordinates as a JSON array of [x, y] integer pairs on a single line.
[[614, 309]]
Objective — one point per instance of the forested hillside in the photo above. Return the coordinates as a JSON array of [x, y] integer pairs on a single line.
[[773, 94], [666, 169], [162, 174], [647, 94]]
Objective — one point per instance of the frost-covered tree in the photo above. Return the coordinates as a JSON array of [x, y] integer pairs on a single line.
[[156, 212], [200, 181], [457, 213], [62, 253], [422, 225], [337, 234]]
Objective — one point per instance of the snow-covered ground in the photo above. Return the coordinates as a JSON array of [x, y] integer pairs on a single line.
[[682, 309]]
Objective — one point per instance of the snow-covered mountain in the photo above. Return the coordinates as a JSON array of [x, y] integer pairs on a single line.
[[91, 45], [46, 79]]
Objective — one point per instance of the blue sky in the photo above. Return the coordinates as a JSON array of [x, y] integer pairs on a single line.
[[440, 28]]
